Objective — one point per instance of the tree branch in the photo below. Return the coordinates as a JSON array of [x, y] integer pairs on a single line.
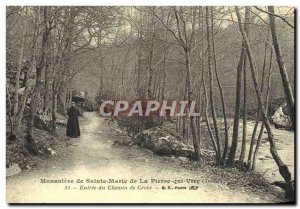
[[275, 15]]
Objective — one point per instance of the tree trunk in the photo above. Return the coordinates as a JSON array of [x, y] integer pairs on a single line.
[[164, 76], [150, 70], [236, 122], [192, 118], [267, 105], [258, 114], [244, 137], [211, 91], [139, 67], [208, 123], [235, 133], [184, 120], [221, 91], [53, 111]]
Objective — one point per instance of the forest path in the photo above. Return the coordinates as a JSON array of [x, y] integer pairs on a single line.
[[92, 156]]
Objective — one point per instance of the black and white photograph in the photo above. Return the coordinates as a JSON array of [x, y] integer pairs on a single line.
[[150, 104]]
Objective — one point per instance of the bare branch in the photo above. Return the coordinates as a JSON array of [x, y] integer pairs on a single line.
[[275, 15]]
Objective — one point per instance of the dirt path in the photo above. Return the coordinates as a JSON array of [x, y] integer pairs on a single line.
[[93, 157]]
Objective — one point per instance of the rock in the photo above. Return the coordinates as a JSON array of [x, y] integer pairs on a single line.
[[281, 120], [173, 133], [162, 143]]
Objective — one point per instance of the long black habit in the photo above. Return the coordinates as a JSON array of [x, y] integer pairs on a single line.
[[73, 124]]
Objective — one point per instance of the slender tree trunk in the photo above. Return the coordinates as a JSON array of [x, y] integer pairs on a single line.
[[192, 118], [150, 71], [244, 137], [258, 114], [54, 99], [221, 91], [267, 105], [236, 122], [165, 75], [208, 122], [46, 90], [235, 133], [184, 119], [211, 91], [138, 84], [53, 111]]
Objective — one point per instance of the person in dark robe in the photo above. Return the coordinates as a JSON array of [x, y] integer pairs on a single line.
[[73, 129]]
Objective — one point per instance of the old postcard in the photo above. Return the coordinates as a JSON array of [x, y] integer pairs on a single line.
[[150, 104]]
